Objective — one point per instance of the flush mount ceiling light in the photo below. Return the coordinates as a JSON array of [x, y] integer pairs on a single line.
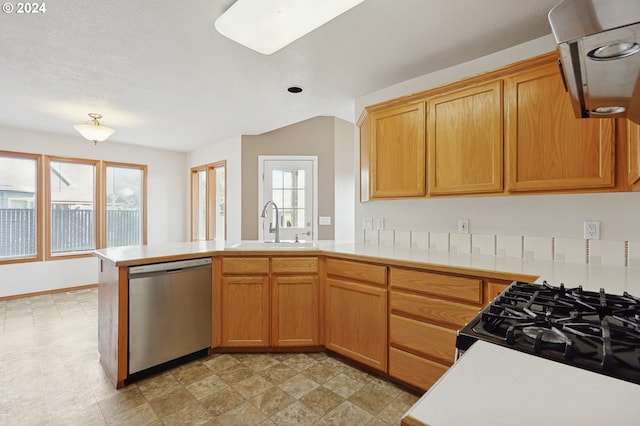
[[92, 130], [268, 26]]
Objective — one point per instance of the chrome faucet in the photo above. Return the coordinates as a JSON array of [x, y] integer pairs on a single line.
[[271, 228]]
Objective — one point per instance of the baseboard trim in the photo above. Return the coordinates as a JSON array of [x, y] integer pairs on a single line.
[[55, 290]]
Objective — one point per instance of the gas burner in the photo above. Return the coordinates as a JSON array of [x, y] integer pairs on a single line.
[[591, 330], [545, 335]]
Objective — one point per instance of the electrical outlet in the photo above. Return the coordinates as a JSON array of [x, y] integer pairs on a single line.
[[378, 223], [592, 230], [367, 223], [463, 226]]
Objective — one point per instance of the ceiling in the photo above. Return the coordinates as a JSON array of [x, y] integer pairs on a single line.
[[163, 77]]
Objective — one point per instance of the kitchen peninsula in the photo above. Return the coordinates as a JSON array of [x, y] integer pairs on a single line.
[[329, 291]]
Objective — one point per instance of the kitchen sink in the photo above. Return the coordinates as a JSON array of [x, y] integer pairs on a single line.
[[270, 245]]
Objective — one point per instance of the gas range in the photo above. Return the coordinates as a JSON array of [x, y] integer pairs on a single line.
[[591, 330]]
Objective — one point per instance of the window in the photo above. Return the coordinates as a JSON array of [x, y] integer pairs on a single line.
[[288, 191], [208, 192], [71, 209], [199, 204], [71, 206], [125, 204], [290, 182], [20, 193]]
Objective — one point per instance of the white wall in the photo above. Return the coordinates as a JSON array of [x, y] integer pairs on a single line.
[[165, 200], [229, 150], [345, 186], [540, 215]]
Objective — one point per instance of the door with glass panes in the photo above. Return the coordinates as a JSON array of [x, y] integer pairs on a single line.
[[290, 183]]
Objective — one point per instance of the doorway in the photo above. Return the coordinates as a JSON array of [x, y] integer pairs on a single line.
[[291, 183]]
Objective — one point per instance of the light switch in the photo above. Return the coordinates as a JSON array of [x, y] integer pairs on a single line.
[[324, 220]]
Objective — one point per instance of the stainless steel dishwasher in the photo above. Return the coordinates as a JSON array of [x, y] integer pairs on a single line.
[[169, 311]]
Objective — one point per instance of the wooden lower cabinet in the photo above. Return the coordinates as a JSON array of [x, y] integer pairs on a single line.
[[245, 309], [356, 312], [494, 288], [430, 340], [398, 320], [269, 301], [295, 315], [426, 310], [414, 370]]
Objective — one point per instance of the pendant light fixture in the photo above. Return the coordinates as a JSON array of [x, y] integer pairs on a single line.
[[268, 26], [94, 131]]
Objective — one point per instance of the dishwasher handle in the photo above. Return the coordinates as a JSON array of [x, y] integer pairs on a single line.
[[169, 267]]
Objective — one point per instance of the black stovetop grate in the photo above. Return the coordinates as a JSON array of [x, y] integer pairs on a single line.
[[591, 330]]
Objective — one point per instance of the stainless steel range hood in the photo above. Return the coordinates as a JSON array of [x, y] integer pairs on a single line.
[[599, 44]]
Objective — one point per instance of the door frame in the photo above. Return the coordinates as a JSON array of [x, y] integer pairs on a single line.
[[314, 201]]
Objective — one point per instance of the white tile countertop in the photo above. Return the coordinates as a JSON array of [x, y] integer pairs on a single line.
[[493, 385], [614, 279]]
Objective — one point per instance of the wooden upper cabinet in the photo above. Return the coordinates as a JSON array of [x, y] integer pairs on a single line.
[[464, 139], [397, 154], [548, 147], [633, 135]]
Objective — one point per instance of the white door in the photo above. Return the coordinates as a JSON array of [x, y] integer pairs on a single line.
[[290, 182]]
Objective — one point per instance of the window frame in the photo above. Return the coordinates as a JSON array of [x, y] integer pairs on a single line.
[[97, 207], [103, 197], [38, 204], [43, 204], [210, 201]]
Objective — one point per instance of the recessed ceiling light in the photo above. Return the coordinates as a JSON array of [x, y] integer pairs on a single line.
[[294, 89], [608, 110], [614, 51], [268, 26]]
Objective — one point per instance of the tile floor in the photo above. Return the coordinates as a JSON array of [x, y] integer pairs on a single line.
[[50, 375]]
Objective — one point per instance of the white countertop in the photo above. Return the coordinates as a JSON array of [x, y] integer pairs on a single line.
[[493, 385], [613, 279]]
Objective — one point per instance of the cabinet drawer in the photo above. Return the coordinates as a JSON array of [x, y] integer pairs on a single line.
[[494, 288], [433, 310], [431, 340], [298, 265], [245, 265], [461, 288], [375, 274], [413, 369]]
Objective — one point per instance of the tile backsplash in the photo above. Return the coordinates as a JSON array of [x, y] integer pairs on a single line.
[[568, 250]]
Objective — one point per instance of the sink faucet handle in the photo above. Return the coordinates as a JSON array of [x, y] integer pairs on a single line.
[[297, 239]]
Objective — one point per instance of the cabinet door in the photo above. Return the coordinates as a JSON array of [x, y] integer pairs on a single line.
[[356, 322], [295, 311], [465, 140], [397, 164], [548, 148], [245, 311], [633, 135]]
